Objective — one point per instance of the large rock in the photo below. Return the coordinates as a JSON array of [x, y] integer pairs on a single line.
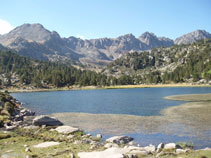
[[160, 147], [172, 146], [46, 120], [66, 129], [108, 153], [46, 144], [150, 148], [119, 139], [115, 152]]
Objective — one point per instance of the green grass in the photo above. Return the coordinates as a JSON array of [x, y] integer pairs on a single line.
[[13, 143]]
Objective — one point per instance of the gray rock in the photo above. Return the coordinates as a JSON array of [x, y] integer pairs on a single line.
[[120, 139], [46, 144], [172, 146], [150, 148], [180, 151], [70, 136], [111, 145], [108, 153], [46, 120], [160, 147], [99, 136], [66, 129], [132, 143]]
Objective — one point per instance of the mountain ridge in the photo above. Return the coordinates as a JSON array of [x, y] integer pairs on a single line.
[[33, 40]]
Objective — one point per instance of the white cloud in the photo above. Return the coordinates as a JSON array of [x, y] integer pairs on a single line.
[[5, 27], [81, 36]]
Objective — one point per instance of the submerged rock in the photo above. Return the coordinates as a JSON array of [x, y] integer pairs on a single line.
[[46, 120], [119, 139]]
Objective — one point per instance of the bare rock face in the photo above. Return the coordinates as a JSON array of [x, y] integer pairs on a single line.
[[46, 120], [192, 37], [35, 41]]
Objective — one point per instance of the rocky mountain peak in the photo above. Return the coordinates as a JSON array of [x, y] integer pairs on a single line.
[[29, 32], [147, 38], [192, 37]]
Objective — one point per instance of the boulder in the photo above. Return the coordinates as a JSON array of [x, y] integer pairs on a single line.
[[46, 120], [119, 139], [172, 146], [66, 129], [150, 148], [160, 147], [46, 144]]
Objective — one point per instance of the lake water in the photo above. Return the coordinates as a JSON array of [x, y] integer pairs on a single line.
[[139, 102]]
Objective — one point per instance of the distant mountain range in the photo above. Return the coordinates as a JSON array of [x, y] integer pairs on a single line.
[[35, 41]]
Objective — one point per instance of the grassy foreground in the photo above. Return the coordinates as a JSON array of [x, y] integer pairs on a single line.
[[20, 143]]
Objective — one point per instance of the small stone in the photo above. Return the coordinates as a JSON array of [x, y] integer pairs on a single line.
[[70, 136], [111, 145], [71, 155], [27, 149], [77, 142], [180, 151], [132, 143], [99, 136], [131, 156]]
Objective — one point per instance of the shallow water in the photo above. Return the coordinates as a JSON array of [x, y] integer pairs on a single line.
[[139, 111]]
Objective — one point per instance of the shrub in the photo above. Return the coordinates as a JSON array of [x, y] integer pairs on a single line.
[[9, 107]]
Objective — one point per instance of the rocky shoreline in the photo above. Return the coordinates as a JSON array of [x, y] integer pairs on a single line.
[[51, 133]]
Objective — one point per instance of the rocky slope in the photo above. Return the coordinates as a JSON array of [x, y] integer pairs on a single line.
[[35, 41], [183, 63], [192, 37]]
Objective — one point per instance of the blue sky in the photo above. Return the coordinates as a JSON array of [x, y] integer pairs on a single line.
[[110, 18]]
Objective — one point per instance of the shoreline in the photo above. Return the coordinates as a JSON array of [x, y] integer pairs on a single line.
[[82, 144], [20, 90]]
